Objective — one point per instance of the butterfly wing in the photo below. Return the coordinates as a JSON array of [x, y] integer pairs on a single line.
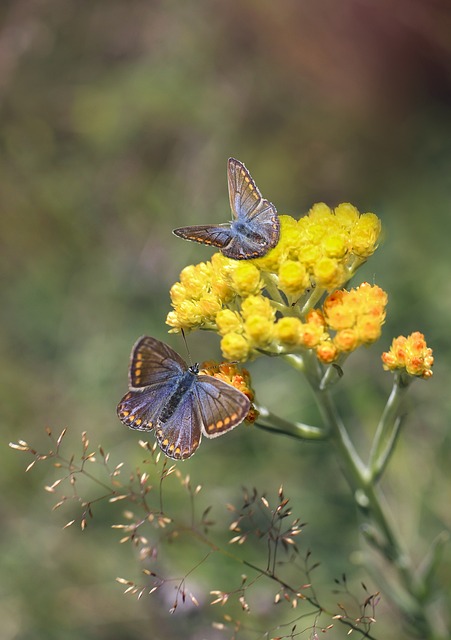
[[221, 407], [244, 195], [155, 370], [246, 245], [140, 409], [215, 235], [152, 363]]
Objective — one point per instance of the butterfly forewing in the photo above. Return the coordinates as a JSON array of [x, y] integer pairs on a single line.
[[153, 375], [153, 362], [244, 195]]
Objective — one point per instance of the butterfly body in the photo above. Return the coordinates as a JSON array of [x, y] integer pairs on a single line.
[[255, 228], [174, 400], [181, 391]]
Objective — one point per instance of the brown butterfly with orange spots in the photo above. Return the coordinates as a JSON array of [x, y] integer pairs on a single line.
[[173, 399]]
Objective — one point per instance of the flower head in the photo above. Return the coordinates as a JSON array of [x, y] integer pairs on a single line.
[[356, 315], [200, 294], [411, 354], [264, 304]]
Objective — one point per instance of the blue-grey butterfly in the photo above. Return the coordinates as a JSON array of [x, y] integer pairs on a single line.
[[255, 228], [174, 400]]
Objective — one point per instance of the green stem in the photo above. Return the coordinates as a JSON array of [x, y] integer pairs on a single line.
[[270, 281], [270, 422], [312, 300], [351, 463], [368, 497], [387, 429]]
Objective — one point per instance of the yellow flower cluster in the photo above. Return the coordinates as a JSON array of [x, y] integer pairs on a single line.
[[263, 305], [238, 377], [202, 291], [356, 316], [411, 354], [322, 249]]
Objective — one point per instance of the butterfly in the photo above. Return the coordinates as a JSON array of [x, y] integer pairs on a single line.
[[255, 228], [177, 402]]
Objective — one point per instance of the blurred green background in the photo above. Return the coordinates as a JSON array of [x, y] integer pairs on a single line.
[[117, 119]]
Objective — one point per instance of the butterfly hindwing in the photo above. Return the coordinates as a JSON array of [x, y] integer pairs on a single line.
[[179, 435], [215, 235], [140, 409]]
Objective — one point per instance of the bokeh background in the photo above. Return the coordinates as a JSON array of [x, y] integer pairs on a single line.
[[117, 119]]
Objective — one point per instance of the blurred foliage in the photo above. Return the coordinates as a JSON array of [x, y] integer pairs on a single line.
[[117, 119]]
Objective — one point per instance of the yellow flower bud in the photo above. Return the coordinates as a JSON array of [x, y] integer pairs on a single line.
[[288, 331], [228, 321], [292, 237], [311, 335], [222, 288], [347, 215], [309, 255], [338, 315], [209, 305], [177, 293], [320, 212], [194, 279], [365, 235], [368, 328], [326, 351], [173, 321], [189, 314], [411, 354], [257, 305], [293, 278], [335, 245], [221, 264], [329, 273], [246, 279], [259, 329], [235, 347], [346, 340]]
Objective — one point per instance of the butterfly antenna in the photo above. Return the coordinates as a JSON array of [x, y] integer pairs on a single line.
[[186, 346]]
